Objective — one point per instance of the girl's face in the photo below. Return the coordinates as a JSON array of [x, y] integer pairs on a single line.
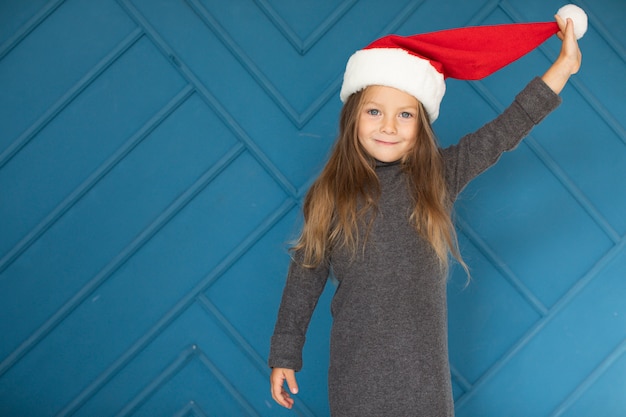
[[387, 123]]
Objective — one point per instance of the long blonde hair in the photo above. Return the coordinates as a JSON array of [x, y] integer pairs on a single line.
[[345, 195]]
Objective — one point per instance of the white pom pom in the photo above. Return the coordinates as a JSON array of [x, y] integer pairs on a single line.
[[578, 16]]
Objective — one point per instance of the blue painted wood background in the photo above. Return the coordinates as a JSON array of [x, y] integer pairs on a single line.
[[153, 158]]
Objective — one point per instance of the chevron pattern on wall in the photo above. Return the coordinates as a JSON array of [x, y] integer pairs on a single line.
[[153, 159]]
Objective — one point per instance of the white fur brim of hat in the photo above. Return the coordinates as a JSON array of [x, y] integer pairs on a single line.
[[395, 68]]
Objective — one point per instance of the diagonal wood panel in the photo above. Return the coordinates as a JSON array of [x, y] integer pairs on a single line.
[[155, 173]]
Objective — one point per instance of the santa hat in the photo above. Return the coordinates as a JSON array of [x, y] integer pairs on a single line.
[[419, 64]]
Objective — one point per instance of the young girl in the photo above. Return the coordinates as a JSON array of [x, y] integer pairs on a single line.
[[379, 218]]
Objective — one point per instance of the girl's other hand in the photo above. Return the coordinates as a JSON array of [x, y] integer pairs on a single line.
[[277, 383], [569, 59], [570, 52]]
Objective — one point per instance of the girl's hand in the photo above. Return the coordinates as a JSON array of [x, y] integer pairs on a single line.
[[569, 50], [568, 61], [277, 380]]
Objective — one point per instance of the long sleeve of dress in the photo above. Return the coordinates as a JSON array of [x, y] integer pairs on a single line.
[[302, 291], [477, 151]]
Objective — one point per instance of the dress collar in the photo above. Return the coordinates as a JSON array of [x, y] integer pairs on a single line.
[[380, 164]]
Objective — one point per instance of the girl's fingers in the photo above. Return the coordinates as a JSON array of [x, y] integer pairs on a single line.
[[277, 380]]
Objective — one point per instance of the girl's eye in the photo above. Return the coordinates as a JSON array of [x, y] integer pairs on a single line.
[[373, 112], [406, 115]]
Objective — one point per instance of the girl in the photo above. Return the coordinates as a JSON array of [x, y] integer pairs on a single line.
[[379, 218]]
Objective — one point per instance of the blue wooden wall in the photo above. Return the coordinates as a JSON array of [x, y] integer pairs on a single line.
[[153, 158]]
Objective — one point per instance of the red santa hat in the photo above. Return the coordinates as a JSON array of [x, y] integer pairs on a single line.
[[419, 64]]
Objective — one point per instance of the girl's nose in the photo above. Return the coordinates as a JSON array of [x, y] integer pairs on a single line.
[[388, 126]]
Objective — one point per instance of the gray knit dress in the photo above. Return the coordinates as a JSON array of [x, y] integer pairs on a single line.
[[389, 348]]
